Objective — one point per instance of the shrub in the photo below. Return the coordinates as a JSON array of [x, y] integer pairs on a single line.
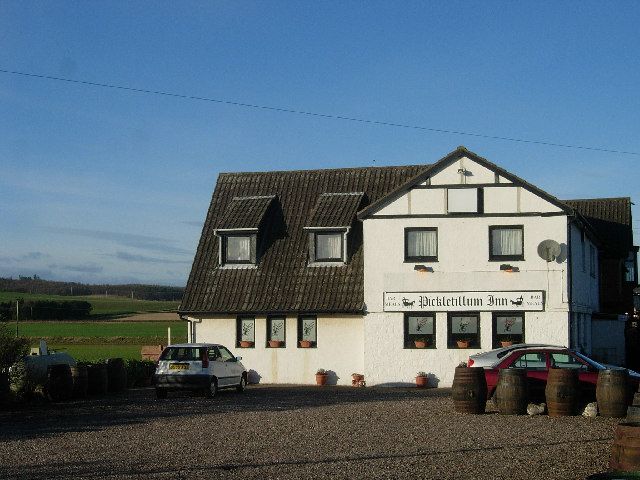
[[11, 348]]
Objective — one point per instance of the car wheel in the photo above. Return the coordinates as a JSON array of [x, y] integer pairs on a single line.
[[213, 389], [243, 384], [161, 393]]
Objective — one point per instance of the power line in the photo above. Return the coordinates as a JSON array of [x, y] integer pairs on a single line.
[[320, 115]]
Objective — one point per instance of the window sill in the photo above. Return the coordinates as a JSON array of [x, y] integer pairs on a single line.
[[238, 266], [507, 258], [327, 264], [421, 260]]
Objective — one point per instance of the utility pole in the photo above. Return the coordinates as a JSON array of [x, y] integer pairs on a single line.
[[17, 315]]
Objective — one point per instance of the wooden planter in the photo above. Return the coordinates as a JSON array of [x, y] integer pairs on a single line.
[[463, 343], [275, 343], [506, 343], [422, 382], [420, 343], [321, 378], [246, 344], [306, 343]]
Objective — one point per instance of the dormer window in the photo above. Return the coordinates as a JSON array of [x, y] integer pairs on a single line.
[[239, 248], [330, 225], [241, 230]]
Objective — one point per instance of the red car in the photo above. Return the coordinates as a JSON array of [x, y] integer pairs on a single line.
[[537, 361]]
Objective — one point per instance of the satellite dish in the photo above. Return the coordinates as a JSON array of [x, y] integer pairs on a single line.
[[549, 250]]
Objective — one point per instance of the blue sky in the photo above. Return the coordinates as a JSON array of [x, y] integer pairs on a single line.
[[102, 185]]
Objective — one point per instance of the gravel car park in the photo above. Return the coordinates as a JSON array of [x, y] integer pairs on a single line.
[[295, 432]]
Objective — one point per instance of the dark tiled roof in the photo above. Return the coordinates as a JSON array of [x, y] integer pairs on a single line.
[[335, 209], [283, 282], [245, 212], [611, 219]]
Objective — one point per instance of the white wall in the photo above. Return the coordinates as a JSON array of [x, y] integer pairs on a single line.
[[463, 265], [339, 349], [388, 363]]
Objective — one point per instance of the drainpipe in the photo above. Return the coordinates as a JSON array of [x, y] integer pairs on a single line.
[[191, 327], [569, 278]]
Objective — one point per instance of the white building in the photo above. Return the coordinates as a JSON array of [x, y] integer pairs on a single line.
[[351, 270]]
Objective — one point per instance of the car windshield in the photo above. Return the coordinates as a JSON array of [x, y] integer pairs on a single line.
[[182, 354], [593, 363]]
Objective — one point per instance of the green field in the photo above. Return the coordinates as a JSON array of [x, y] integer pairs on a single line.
[[99, 352], [92, 340], [102, 305], [101, 329]]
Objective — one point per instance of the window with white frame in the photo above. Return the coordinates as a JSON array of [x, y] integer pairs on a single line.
[[238, 248], [420, 244], [328, 246], [506, 242]]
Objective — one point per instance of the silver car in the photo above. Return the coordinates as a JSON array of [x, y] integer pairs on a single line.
[[490, 358], [199, 366]]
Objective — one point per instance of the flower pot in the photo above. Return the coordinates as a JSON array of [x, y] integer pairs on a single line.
[[422, 382], [275, 343], [420, 343], [462, 343], [246, 344], [305, 343], [506, 343], [357, 380], [321, 378]]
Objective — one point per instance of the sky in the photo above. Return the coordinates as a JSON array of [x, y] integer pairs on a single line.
[[103, 185]]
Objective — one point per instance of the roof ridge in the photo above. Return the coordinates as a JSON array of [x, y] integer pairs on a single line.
[[272, 172], [595, 198]]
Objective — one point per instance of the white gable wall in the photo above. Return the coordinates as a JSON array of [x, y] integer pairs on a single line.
[[463, 265]]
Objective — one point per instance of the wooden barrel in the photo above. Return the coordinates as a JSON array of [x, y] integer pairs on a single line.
[[117, 375], [469, 390], [97, 379], [512, 393], [80, 380], [633, 414], [612, 392], [625, 452], [562, 392], [4, 387], [59, 384]]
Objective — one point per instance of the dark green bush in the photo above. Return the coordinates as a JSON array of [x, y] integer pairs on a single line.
[[11, 348]]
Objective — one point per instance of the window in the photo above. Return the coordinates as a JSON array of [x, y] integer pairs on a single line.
[[239, 249], [225, 355], [507, 327], [276, 332], [465, 200], [307, 331], [464, 330], [564, 360], [419, 331], [630, 268], [506, 242], [531, 361], [420, 244], [245, 332], [328, 246]]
